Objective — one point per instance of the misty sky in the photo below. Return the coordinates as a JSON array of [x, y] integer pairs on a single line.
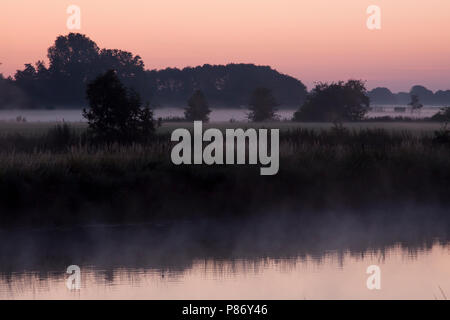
[[313, 40]]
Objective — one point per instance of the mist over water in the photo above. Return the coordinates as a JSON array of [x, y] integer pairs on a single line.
[[276, 255]]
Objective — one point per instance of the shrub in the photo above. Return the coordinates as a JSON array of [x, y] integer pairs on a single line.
[[262, 105], [198, 108], [335, 102], [116, 113]]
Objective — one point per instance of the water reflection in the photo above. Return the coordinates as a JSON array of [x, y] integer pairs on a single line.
[[278, 257]]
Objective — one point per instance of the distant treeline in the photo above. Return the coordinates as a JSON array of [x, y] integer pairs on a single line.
[[426, 96], [75, 60]]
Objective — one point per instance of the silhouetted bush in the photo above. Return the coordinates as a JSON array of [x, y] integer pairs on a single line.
[[198, 108], [335, 102], [442, 116], [262, 105], [115, 113]]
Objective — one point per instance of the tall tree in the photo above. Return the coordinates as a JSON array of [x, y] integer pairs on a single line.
[[262, 105], [415, 103], [116, 113], [129, 68], [198, 108], [73, 63], [425, 95], [11, 96], [382, 96], [337, 101], [73, 55]]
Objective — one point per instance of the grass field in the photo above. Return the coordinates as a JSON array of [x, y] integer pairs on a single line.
[[51, 177], [39, 128]]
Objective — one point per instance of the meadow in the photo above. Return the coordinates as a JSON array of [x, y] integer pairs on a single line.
[[40, 128], [53, 176]]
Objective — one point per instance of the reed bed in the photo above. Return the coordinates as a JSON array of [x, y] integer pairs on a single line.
[[60, 177]]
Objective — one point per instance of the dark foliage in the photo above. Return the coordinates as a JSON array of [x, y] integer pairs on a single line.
[[61, 137], [319, 170], [11, 96], [225, 86], [337, 101], [198, 108], [415, 102], [262, 105], [75, 60], [116, 113], [385, 96], [382, 96], [442, 116], [442, 136], [422, 94]]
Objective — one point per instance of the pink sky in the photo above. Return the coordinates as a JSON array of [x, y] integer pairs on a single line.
[[312, 40]]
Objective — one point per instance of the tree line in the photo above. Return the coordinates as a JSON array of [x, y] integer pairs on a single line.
[[385, 96], [75, 60], [116, 113]]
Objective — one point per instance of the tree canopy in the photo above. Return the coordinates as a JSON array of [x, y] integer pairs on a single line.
[[415, 102], [75, 60], [337, 101], [198, 108], [262, 105], [10, 95], [115, 112], [385, 96]]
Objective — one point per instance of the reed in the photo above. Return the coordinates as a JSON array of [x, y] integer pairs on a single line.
[[59, 177]]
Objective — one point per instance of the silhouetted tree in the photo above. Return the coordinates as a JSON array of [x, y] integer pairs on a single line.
[[443, 115], [415, 102], [129, 69], [382, 96], [335, 102], [26, 80], [225, 85], [116, 113], [73, 63], [425, 95], [75, 60], [11, 96], [197, 108], [442, 97], [262, 105]]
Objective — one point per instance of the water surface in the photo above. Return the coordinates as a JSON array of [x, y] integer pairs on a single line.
[[260, 258], [423, 274]]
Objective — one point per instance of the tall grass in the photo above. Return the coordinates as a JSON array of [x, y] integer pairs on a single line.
[[61, 178]]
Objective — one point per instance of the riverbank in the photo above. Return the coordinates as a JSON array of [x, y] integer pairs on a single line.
[[57, 179]]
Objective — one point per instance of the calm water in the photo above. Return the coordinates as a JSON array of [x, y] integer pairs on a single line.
[[419, 275], [217, 115], [424, 274], [255, 259]]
